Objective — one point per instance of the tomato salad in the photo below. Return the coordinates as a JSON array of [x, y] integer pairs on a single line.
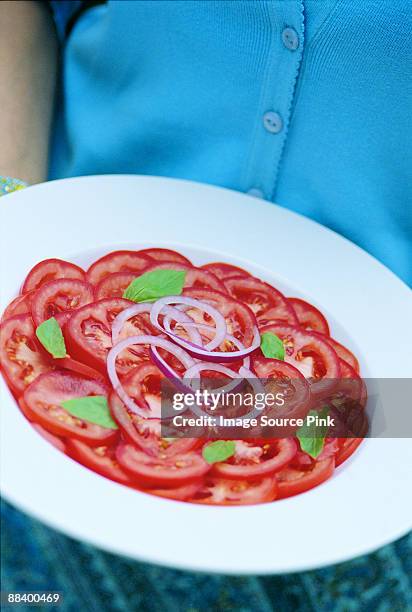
[[84, 352]]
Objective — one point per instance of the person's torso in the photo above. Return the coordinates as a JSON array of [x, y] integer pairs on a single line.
[[305, 103]]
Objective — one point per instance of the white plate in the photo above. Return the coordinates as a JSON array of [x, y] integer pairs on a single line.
[[367, 502]]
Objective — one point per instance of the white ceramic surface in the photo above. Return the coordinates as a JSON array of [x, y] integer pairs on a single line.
[[367, 502]]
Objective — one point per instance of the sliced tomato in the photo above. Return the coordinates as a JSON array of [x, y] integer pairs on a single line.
[[182, 493], [309, 317], [352, 384], [165, 255], [117, 261], [143, 385], [54, 440], [254, 460], [289, 381], [161, 470], [43, 398], [240, 320], [68, 363], [344, 353], [195, 277], [265, 301], [114, 285], [51, 269], [88, 335], [222, 492], [293, 481], [310, 354], [21, 358], [100, 459], [347, 447], [20, 305], [225, 271], [347, 402], [59, 296]]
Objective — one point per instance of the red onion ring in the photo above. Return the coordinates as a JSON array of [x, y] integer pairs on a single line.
[[232, 339], [220, 323], [128, 313], [168, 371], [124, 316], [217, 356], [144, 339]]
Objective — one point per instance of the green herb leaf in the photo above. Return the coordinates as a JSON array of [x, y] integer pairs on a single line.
[[93, 409], [272, 346], [220, 450], [50, 335], [312, 437], [151, 286]]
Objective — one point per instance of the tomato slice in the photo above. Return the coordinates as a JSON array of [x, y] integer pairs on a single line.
[[346, 449], [310, 354], [51, 269], [165, 255], [63, 295], [293, 481], [20, 305], [222, 492], [100, 459], [161, 470], [309, 317], [225, 271], [143, 384], [114, 285], [182, 493], [265, 301], [347, 403], [195, 277], [255, 460], [88, 335], [344, 353], [21, 358], [352, 384], [117, 261], [68, 363], [289, 381], [54, 440], [43, 398], [240, 320]]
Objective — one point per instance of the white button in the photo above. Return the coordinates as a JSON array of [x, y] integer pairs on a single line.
[[256, 193], [273, 122], [290, 39]]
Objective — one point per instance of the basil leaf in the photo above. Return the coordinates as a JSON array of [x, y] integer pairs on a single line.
[[312, 437], [151, 286], [220, 450], [50, 335], [93, 409], [272, 346]]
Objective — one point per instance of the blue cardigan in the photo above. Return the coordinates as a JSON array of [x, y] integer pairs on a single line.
[[306, 103]]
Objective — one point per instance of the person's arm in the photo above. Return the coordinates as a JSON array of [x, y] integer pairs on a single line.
[[28, 66]]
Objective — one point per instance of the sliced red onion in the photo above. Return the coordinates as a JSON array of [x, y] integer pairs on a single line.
[[232, 339], [175, 314], [168, 371], [194, 372], [220, 323], [125, 315], [144, 339], [218, 356], [136, 309]]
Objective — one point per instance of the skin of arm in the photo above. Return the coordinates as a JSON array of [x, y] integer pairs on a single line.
[[28, 67]]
